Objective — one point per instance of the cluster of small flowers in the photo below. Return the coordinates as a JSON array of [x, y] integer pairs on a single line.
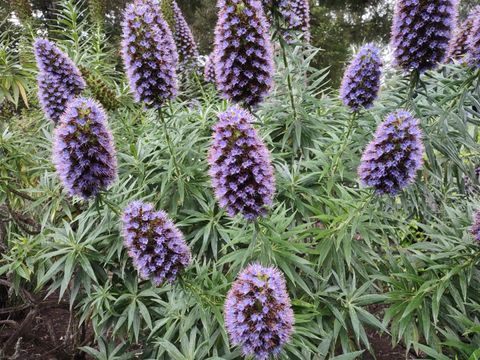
[[243, 52], [421, 32], [209, 71], [258, 314], [361, 81], [157, 247], [83, 149], [59, 79], [473, 42], [149, 53], [186, 45], [293, 17], [240, 167], [391, 161], [458, 47]]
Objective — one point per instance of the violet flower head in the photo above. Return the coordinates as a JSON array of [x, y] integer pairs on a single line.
[[209, 71], [258, 313], [59, 79], [473, 43], [149, 53], [458, 46], [83, 149], [240, 167], [475, 229], [390, 162], [186, 45], [243, 52], [421, 32], [294, 16], [361, 81], [154, 243]]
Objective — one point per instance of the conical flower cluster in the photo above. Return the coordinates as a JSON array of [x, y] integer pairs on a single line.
[[361, 81], [209, 71], [154, 243], [475, 229], [258, 314], [473, 44], [149, 53], [83, 150], [240, 168], [459, 43], [59, 80], [421, 32], [186, 45], [243, 52], [391, 161], [294, 17]]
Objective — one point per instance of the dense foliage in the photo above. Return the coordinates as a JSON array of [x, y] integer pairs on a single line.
[[326, 247]]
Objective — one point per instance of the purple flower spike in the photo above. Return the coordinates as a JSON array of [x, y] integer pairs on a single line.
[[473, 43], [243, 52], [421, 32], [186, 45], [258, 314], [149, 53], [59, 79], [391, 161], [475, 229], [209, 71], [294, 16], [459, 43], [154, 243], [361, 80], [83, 149], [240, 168]]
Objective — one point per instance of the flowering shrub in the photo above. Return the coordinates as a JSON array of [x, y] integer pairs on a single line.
[[243, 220]]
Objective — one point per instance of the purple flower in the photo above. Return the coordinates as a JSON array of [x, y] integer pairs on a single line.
[[391, 161], [361, 80], [209, 71], [473, 43], [154, 243], [475, 229], [59, 80], [293, 17], [240, 168], [458, 46], [149, 53], [186, 45], [421, 32], [258, 314], [83, 149], [243, 52]]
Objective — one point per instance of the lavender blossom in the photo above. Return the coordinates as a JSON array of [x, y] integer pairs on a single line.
[[186, 45], [473, 43], [154, 243], [258, 314], [361, 81], [458, 46], [209, 71], [149, 53], [240, 168], [59, 79], [475, 229], [421, 32], [243, 52], [83, 149], [391, 161], [293, 16]]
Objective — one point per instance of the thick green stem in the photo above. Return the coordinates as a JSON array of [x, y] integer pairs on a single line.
[[169, 142], [344, 142], [289, 79]]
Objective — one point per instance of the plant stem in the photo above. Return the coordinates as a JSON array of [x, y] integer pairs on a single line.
[[289, 79], [169, 142], [344, 142]]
